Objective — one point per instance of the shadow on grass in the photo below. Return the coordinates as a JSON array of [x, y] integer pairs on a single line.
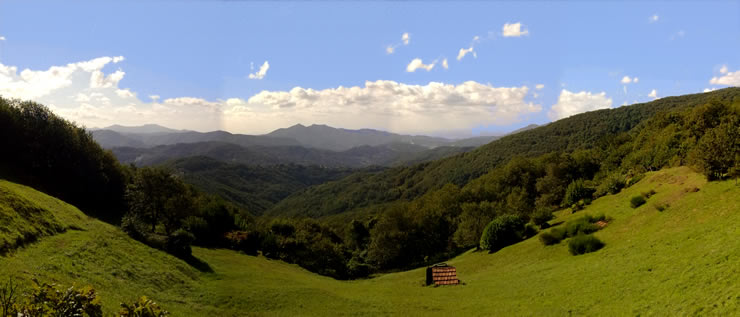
[[197, 263]]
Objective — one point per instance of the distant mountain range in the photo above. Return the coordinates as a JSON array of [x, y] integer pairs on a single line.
[[314, 136], [320, 145]]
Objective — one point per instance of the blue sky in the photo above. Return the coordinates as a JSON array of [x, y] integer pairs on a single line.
[[197, 57]]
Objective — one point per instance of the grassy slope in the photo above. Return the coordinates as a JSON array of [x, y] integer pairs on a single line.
[[684, 260]]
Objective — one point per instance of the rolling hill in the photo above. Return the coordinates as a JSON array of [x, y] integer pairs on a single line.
[[382, 155], [582, 131], [682, 261]]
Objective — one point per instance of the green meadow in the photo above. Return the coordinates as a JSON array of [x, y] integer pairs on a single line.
[[684, 260]]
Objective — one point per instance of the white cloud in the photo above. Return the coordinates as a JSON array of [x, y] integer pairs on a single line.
[[2, 38], [33, 84], [723, 70], [636, 80], [626, 80], [654, 18], [709, 89], [445, 65], [539, 86], [261, 72], [464, 51], [386, 105], [728, 79], [653, 94], [125, 93], [405, 39], [570, 103], [514, 30], [416, 63]]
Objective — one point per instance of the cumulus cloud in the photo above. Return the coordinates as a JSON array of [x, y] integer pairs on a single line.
[[445, 65], [261, 72], [654, 18], [33, 84], [571, 103], [2, 38], [514, 30], [416, 63], [405, 39], [626, 80], [723, 70], [539, 86], [709, 89], [653, 94], [728, 78], [386, 105]]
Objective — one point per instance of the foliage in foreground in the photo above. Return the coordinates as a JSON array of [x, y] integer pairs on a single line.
[[45, 299]]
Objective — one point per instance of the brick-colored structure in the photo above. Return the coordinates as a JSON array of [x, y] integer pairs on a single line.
[[442, 274]]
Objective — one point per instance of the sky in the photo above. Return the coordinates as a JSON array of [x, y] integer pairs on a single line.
[[452, 69]]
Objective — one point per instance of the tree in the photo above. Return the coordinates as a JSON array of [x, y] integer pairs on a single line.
[[156, 196], [472, 221], [502, 231]]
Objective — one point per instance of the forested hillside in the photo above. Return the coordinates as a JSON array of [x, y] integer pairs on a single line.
[[602, 129], [254, 188], [382, 155]]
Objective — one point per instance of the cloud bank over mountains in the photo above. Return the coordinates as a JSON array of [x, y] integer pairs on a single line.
[[83, 92]]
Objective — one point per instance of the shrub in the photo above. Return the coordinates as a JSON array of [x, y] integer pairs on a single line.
[[530, 230], [245, 241], [541, 217], [635, 179], [637, 201], [661, 206], [553, 236], [584, 243], [648, 194], [501, 232], [583, 225], [178, 244], [144, 307], [611, 185], [46, 300]]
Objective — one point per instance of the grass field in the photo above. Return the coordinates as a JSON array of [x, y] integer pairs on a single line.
[[684, 260]]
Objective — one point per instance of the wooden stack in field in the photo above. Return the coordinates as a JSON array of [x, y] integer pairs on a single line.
[[442, 274]]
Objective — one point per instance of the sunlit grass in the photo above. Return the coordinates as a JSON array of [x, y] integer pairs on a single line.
[[681, 261]]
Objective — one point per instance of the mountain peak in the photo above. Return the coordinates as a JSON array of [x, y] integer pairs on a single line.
[[146, 128]]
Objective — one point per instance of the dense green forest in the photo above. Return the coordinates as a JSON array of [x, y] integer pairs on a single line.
[[254, 188], [410, 216]]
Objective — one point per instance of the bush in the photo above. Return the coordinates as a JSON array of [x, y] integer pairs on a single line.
[[648, 194], [501, 232], [245, 241], [530, 230], [143, 308], [576, 191], [661, 206], [541, 217], [553, 236], [584, 243], [178, 244], [611, 185], [637, 201], [583, 225], [46, 300]]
